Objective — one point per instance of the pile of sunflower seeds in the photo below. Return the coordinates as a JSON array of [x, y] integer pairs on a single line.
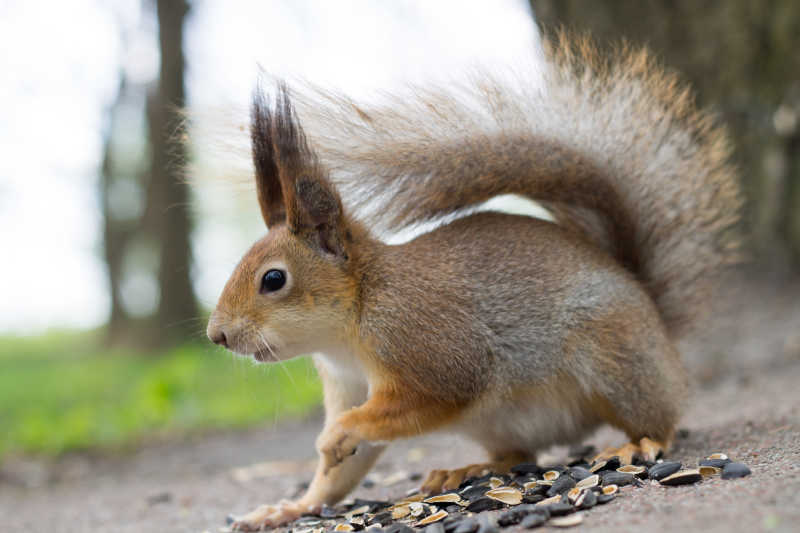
[[530, 496]]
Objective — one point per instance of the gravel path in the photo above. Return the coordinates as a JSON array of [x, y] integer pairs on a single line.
[[746, 403]]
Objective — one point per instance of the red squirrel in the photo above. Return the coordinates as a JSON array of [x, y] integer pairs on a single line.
[[516, 332]]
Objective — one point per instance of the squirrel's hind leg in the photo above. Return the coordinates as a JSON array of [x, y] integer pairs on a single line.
[[445, 480], [646, 448]]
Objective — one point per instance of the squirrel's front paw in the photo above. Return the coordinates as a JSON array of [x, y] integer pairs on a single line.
[[269, 516], [337, 444]]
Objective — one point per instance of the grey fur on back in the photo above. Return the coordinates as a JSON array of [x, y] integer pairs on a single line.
[[613, 146]]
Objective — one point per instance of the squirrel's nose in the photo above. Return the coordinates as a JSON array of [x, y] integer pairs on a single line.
[[219, 338], [217, 335]]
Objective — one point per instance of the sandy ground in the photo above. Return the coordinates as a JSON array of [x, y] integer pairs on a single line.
[[746, 403]]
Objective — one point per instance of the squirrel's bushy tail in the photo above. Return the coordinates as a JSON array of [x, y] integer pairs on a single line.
[[614, 147]]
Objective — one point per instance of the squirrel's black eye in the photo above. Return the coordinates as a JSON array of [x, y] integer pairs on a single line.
[[273, 280]]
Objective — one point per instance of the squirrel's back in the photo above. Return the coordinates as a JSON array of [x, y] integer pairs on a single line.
[[613, 147]]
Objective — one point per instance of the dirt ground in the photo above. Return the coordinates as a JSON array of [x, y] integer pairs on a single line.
[[746, 403]]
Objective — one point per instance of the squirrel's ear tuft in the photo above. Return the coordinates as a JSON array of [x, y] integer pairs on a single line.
[[298, 188], [268, 185]]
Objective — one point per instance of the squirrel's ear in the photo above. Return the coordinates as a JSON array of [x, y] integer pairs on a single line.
[[268, 185], [313, 207]]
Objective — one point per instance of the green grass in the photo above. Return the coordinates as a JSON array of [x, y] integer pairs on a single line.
[[59, 393]]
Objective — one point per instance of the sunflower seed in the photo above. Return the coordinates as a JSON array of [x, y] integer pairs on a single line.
[[661, 470], [567, 521], [472, 492], [560, 509], [589, 482], [579, 473], [344, 527], [586, 500], [400, 511], [435, 517], [526, 469], [469, 525], [708, 470], [632, 469], [612, 477], [551, 475], [734, 470], [448, 497], [534, 520], [684, 477], [715, 463], [610, 490], [484, 504], [549, 501], [496, 482], [507, 495], [605, 498], [561, 485]]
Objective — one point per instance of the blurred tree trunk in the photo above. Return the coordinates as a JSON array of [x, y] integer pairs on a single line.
[[741, 57], [167, 214], [115, 234]]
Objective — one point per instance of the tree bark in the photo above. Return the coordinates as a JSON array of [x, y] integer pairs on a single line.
[[741, 57], [168, 209]]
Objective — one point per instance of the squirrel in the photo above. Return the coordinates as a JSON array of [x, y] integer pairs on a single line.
[[516, 332]]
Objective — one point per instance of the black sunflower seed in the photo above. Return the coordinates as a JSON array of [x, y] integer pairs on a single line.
[[661, 470], [468, 525], [684, 477], [474, 492], [485, 525], [397, 527], [534, 520], [526, 469], [605, 498], [578, 473], [612, 477], [586, 500], [484, 504], [734, 470], [436, 527], [561, 485], [516, 514], [559, 509], [530, 497], [384, 518], [717, 463]]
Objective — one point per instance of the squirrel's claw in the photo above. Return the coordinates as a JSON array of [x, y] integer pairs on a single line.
[[336, 446], [647, 449], [269, 516]]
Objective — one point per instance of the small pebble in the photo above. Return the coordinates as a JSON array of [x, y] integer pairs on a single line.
[[735, 470]]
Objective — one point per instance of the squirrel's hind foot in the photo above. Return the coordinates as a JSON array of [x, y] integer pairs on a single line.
[[439, 481], [647, 449]]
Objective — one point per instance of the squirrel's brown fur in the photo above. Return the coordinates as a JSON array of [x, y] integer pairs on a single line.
[[517, 332]]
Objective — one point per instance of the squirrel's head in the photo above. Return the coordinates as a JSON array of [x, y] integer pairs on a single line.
[[294, 291]]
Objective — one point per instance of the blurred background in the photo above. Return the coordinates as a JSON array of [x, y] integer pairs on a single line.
[[111, 262]]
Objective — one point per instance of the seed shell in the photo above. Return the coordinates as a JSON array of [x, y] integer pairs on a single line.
[[706, 471], [567, 521], [551, 475], [632, 469], [589, 482], [344, 527], [435, 517], [507, 495], [549, 501], [496, 482], [684, 477], [735, 470], [448, 497]]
